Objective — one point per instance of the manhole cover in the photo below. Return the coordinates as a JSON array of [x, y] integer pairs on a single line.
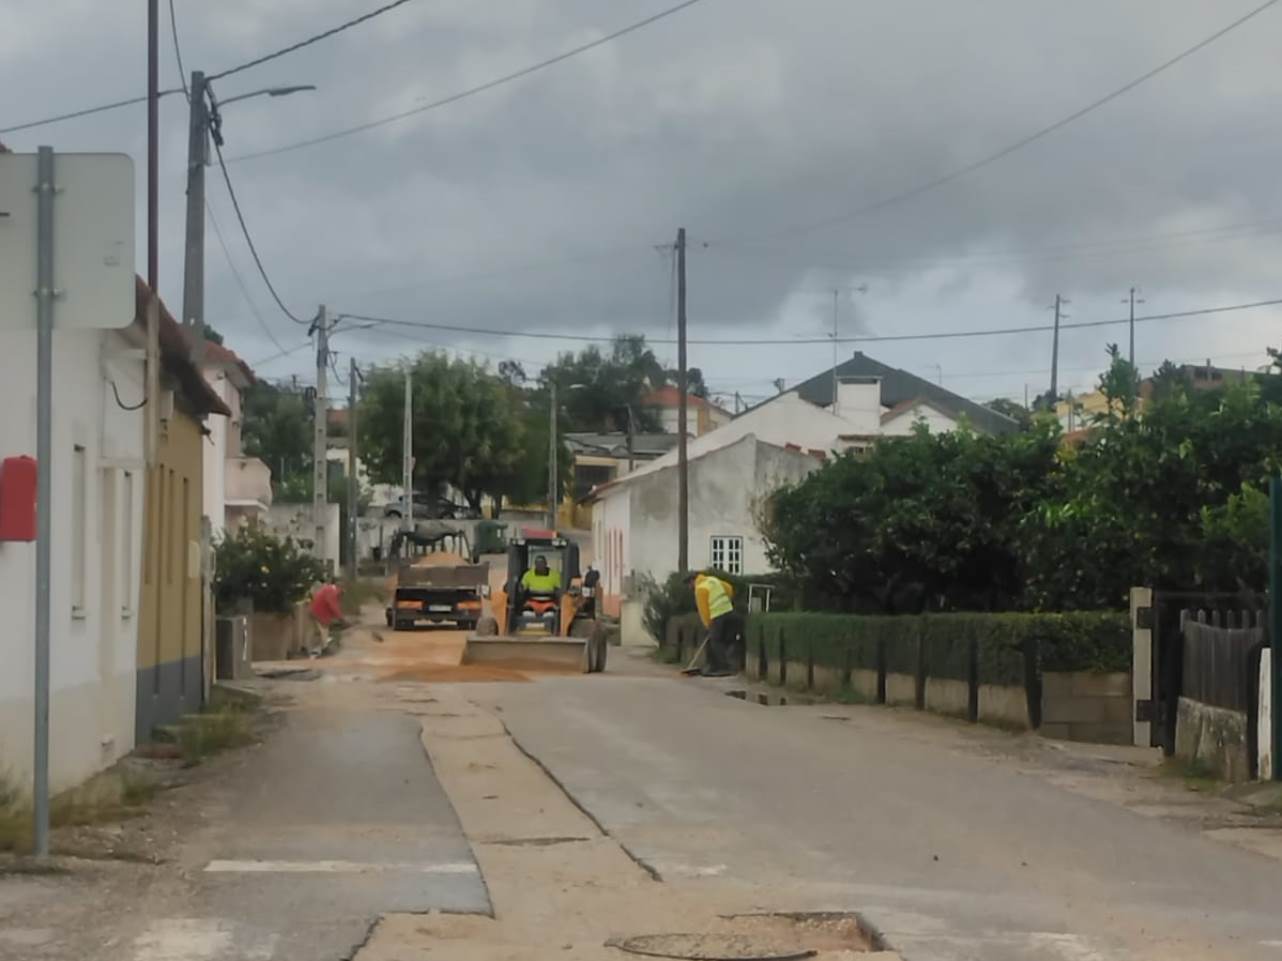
[[711, 947]]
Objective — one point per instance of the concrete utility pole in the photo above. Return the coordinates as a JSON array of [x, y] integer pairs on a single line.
[[1275, 625], [836, 394], [194, 259], [352, 480], [1059, 315], [632, 440], [1133, 301], [407, 454], [552, 465], [683, 388], [320, 435]]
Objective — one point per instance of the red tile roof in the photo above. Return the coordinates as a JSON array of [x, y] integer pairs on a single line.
[[669, 396]]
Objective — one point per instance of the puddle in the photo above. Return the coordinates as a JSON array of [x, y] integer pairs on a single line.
[[767, 699], [761, 937]]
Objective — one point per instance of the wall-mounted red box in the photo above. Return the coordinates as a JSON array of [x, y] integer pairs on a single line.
[[18, 499]]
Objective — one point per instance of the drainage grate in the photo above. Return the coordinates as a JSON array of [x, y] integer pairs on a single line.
[[760, 937]]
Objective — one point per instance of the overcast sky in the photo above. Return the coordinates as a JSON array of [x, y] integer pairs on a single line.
[[539, 205]]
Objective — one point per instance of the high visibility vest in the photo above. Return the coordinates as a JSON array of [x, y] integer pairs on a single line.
[[717, 594]]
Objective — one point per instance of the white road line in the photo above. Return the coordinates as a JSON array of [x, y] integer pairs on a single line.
[[334, 867]]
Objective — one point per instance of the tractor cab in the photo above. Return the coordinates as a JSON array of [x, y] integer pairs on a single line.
[[543, 582]]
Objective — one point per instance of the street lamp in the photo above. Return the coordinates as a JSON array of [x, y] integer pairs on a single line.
[[204, 122]]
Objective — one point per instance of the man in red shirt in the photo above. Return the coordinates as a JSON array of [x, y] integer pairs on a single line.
[[327, 611]]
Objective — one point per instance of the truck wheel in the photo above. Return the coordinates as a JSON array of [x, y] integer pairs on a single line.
[[388, 615], [403, 624], [487, 627]]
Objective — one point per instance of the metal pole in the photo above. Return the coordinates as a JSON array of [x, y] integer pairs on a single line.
[[683, 452], [352, 482], [44, 502], [151, 416], [1275, 619], [552, 465], [320, 436], [1132, 354], [407, 454], [194, 262]]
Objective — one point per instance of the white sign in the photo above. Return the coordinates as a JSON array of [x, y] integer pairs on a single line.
[[93, 240]]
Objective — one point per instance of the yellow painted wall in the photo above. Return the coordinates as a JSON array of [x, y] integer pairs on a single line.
[[170, 627]]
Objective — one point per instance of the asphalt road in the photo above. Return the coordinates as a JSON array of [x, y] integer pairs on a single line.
[[952, 854]]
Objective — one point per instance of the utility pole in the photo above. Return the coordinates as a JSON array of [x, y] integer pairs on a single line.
[[352, 481], [194, 262], [1059, 315], [631, 440], [1133, 301], [836, 394], [320, 435], [683, 447], [1275, 626], [552, 464], [407, 453]]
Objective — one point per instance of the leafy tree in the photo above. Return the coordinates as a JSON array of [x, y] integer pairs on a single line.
[[252, 564], [1120, 385], [1009, 408], [925, 521], [213, 336], [467, 431], [1168, 381], [276, 425]]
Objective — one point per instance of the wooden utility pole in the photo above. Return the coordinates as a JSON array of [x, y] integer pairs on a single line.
[[320, 438], [683, 453], [407, 454], [352, 482], [553, 499]]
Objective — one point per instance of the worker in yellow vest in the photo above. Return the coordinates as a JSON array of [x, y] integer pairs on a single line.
[[715, 601]]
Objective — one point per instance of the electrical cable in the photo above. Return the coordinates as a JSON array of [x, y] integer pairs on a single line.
[[310, 40], [121, 404], [278, 356], [471, 91], [800, 341], [86, 112], [249, 240], [1024, 141]]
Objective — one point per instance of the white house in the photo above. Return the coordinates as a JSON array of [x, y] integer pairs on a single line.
[[735, 466], [98, 484], [236, 488], [702, 415]]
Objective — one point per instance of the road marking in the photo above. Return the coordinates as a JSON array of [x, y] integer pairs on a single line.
[[183, 939], [334, 867]]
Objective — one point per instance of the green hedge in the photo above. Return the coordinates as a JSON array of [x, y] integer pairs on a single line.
[[1098, 642]]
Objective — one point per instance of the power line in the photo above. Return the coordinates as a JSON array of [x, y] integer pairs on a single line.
[[471, 91], [249, 241], [309, 41], [85, 112], [1024, 141], [284, 352], [802, 341]]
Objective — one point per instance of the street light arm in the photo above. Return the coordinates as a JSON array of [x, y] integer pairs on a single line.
[[266, 91]]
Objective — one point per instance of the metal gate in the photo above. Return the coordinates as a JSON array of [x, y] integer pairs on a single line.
[[1166, 619]]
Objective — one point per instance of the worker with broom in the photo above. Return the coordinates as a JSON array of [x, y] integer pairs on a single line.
[[715, 601]]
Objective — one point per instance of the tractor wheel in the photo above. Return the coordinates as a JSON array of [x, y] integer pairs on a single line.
[[487, 627]]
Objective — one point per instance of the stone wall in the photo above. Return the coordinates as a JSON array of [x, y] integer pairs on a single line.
[[1213, 738], [1079, 706]]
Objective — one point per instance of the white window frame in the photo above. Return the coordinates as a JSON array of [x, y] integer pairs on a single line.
[[726, 552], [79, 528], [127, 547]]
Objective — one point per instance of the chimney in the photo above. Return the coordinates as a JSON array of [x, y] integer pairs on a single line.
[[859, 403]]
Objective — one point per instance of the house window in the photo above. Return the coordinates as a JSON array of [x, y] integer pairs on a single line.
[[79, 518], [727, 553], [127, 547]]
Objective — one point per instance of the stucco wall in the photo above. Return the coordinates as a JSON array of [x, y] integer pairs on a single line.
[[725, 489], [903, 425], [295, 520], [215, 453], [92, 649], [169, 634]]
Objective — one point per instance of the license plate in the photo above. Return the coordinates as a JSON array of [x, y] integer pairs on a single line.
[[441, 608]]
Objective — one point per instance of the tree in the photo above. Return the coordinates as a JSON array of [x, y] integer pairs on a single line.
[[1009, 408], [1120, 385], [924, 521], [276, 425], [468, 432]]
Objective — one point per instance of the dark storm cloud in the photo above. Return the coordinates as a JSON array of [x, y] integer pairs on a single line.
[[538, 205]]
